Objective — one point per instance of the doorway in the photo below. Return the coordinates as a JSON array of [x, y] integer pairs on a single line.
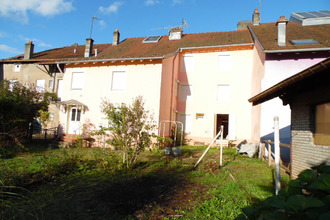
[[74, 121], [222, 119]]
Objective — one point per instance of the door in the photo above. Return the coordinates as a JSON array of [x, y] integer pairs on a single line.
[[41, 85], [222, 119], [74, 121]]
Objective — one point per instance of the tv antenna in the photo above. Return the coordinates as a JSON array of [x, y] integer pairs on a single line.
[[93, 19], [183, 24]]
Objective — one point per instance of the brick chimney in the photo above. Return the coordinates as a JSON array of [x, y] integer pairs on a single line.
[[243, 25], [28, 52], [281, 31], [256, 17], [89, 47], [175, 33], [116, 38]]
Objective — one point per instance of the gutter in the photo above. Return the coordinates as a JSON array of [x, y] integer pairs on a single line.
[[107, 60], [205, 47], [297, 50]]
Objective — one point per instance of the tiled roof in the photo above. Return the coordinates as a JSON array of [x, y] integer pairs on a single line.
[[135, 48], [57, 54], [267, 36]]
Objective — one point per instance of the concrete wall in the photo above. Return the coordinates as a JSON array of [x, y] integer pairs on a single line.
[[305, 153], [277, 68], [141, 80], [204, 78]]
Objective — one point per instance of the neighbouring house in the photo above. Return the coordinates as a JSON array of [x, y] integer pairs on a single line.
[[40, 71], [308, 96], [191, 78], [284, 48]]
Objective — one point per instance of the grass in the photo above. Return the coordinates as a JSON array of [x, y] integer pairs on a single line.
[[88, 183]]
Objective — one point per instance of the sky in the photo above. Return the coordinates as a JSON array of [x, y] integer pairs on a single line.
[[58, 23]]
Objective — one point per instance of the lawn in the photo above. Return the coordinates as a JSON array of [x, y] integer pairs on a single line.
[[90, 183]]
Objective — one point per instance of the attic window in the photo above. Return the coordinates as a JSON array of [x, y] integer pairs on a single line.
[[152, 39], [304, 41]]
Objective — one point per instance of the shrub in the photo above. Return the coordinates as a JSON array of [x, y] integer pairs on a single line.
[[307, 197]]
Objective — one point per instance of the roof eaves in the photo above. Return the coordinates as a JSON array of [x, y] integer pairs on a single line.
[[297, 50], [216, 46], [280, 87], [109, 59]]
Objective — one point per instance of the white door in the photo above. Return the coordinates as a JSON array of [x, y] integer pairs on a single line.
[[74, 121], [232, 127]]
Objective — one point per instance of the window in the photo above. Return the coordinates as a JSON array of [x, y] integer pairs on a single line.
[[118, 81], [40, 85], [223, 93], [188, 63], [322, 124], [11, 84], [186, 120], [77, 82], [186, 92], [17, 67], [50, 84], [225, 62], [59, 88]]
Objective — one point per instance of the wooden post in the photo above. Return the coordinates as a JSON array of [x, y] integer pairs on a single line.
[[277, 155], [221, 138]]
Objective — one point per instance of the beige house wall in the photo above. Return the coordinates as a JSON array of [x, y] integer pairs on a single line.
[[141, 80], [28, 75], [204, 78]]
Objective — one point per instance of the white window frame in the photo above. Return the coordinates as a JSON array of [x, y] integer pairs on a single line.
[[17, 67], [188, 63], [225, 62], [223, 98], [118, 81], [183, 96], [77, 80], [187, 123], [40, 85]]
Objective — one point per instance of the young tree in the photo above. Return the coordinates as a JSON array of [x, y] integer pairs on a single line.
[[130, 128], [19, 106]]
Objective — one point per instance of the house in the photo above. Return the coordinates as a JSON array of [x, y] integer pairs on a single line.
[[308, 95], [191, 78], [40, 70], [284, 48]]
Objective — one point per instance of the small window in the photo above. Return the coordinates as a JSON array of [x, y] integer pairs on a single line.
[[77, 82], [186, 120], [188, 63], [186, 93], [118, 81], [223, 93], [225, 62], [17, 67], [199, 115], [40, 85], [152, 39], [50, 84], [51, 116], [322, 124]]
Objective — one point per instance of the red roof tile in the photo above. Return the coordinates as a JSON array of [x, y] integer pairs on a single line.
[[267, 36]]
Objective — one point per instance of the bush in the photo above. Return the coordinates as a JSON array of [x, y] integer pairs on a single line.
[[307, 197]]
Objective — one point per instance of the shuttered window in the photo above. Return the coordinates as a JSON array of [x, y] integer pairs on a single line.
[[118, 81]]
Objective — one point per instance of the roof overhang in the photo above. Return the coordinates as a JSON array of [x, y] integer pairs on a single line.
[[281, 89], [72, 103]]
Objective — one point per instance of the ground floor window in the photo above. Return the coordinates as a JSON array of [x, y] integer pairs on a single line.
[[322, 124], [186, 120]]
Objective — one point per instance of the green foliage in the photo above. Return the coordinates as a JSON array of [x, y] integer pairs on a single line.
[[129, 127], [19, 106], [307, 197]]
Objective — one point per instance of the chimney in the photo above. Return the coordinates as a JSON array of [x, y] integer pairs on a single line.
[[175, 33], [243, 25], [89, 47], [281, 31], [28, 52], [256, 17], [116, 38]]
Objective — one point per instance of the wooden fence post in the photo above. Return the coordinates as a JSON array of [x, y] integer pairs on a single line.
[[269, 154]]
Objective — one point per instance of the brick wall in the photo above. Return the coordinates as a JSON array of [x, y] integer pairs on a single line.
[[305, 153]]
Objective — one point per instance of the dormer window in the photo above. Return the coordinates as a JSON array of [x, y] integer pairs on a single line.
[[152, 39]]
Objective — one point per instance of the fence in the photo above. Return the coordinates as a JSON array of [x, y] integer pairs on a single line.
[[269, 155], [44, 134]]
